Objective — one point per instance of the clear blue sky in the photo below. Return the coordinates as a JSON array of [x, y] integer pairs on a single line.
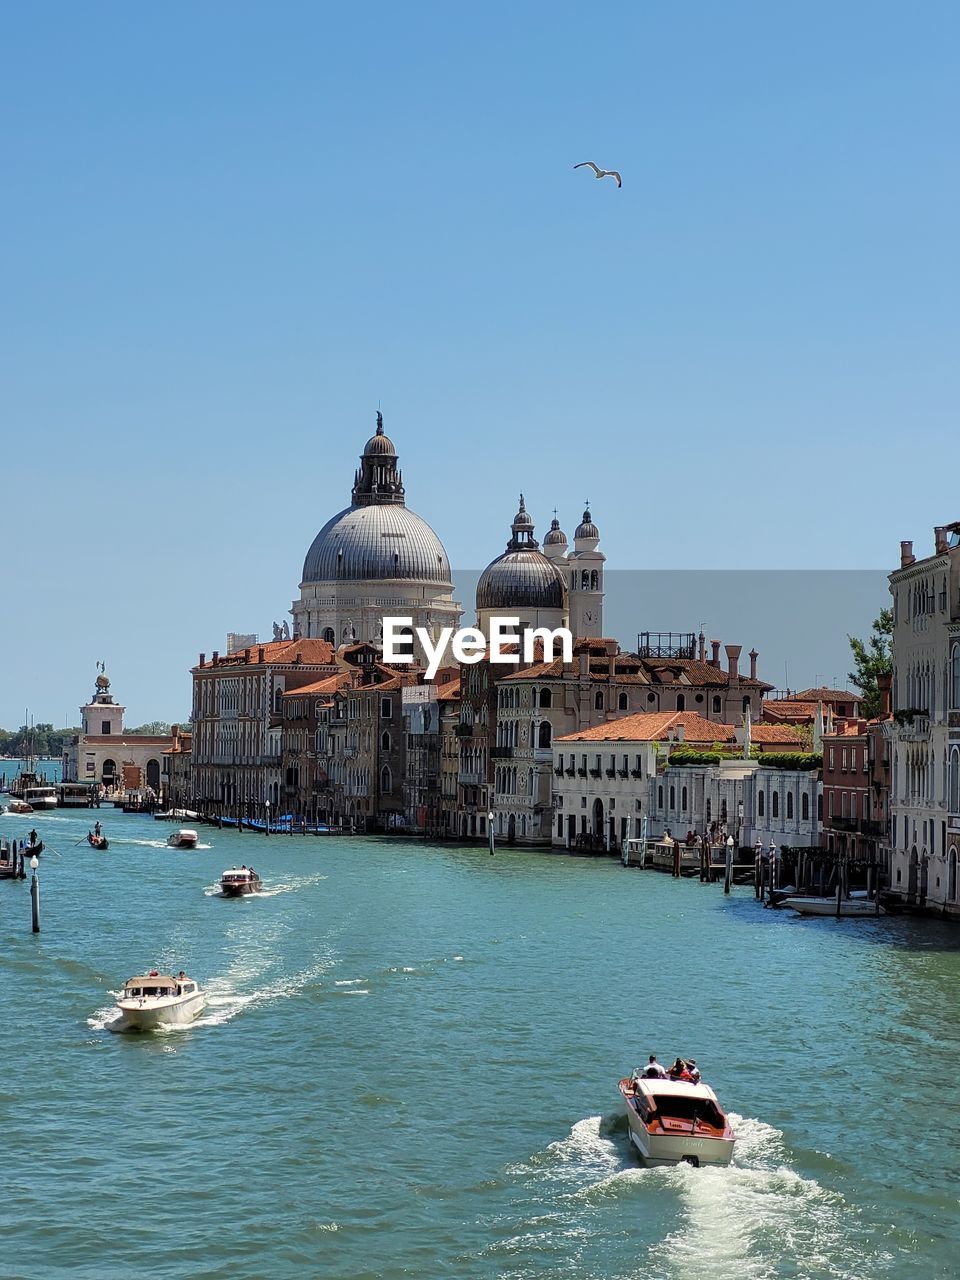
[[230, 229]]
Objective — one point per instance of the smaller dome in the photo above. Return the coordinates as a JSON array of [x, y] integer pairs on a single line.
[[587, 529], [555, 537], [380, 444], [520, 580]]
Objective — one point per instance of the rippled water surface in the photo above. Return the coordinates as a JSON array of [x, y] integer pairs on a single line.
[[408, 1067]]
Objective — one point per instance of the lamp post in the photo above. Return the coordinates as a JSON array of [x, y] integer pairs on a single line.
[[267, 803], [490, 817], [728, 871]]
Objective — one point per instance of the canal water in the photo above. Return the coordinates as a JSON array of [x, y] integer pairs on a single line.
[[408, 1067]]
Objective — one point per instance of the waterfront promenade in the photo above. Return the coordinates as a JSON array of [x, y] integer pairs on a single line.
[[409, 1064]]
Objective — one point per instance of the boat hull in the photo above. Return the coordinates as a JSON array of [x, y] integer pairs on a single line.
[[152, 1015], [850, 908], [241, 890]]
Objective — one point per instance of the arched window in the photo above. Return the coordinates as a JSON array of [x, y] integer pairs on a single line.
[[746, 702], [775, 804], [585, 581], [955, 781], [621, 702], [385, 741], [594, 580], [598, 700], [716, 702], [681, 702], [386, 780], [329, 635], [673, 798], [760, 804], [952, 875], [789, 804], [955, 677], [277, 701], [660, 796], [805, 806], [683, 799], [546, 698], [544, 736]]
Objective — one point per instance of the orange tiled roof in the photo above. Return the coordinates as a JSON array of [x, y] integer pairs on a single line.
[[654, 726], [450, 691], [776, 733], [329, 684], [311, 651], [781, 709], [823, 695]]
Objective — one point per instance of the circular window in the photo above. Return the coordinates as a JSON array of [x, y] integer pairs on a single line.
[[699, 697], [651, 697]]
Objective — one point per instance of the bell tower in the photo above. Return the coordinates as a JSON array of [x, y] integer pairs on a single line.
[[585, 568], [101, 716]]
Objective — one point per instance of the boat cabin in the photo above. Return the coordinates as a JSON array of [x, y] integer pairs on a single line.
[[676, 1103], [238, 875], [157, 986]]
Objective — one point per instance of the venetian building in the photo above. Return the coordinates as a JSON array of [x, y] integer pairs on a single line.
[[523, 582], [374, 558]]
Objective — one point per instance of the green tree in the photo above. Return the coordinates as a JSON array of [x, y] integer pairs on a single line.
[[872, 658], [154, 729]]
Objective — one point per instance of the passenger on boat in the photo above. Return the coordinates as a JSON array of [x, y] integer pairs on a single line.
[[679, 1071], [694, 1070], [653, 1070]]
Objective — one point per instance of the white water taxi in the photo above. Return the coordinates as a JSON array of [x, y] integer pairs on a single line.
[[39, 798], [159, 999], [827, 906], [672, 1121], [185, 838]]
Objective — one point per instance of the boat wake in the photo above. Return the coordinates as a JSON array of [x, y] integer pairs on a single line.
[[225, 998], [744, 1220]]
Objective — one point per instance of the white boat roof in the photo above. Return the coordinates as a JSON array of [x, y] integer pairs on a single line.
[[678, 1089], [154, 978], [239, 871]]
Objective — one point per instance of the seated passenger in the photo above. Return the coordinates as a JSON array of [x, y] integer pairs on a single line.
[[694, 1070], [653, 1070], [678, 1071]]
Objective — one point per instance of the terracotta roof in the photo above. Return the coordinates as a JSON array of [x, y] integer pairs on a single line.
[[449, 692], [329, 684], [776, 733], [654, 726], [779, 709], [313, 652], [823, 695]]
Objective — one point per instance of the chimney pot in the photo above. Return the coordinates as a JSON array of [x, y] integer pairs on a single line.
[[715, 656], [203, 658], [216, 657], [939, 539], [702, 648], [733, 662], [260, 653], [753, 663], [906, 554]]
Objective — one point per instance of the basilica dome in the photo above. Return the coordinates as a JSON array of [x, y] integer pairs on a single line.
[[377, 541], [523, 577]]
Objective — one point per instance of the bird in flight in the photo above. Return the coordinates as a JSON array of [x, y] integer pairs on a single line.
[[600, 173]]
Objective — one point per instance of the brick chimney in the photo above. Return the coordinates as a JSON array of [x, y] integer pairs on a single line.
[[753, 663], [884, 683], [939, 539], [260, 653], [715, 657], [702, 647], [246, 655], [906, 554], [203, 658], [216, 658], [733, 662]]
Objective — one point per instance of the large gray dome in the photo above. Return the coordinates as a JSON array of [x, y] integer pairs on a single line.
[[377, 541], [520, 580]]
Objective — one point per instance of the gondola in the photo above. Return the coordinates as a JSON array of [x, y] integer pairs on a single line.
[[97, 842]]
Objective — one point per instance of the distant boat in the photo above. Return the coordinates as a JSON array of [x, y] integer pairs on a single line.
[[238, 881], [97, 842], [185, 838], [176, 815], [850, 908], [19, 806]]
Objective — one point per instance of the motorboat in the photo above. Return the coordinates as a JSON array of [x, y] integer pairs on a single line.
[[159, 999], [185, 838], [97, 841], [19, 806], [176, 815], [674, 1121], [848, 908], [237, 881]]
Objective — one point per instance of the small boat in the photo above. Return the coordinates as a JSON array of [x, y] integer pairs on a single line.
[[237, 881], [19, 806], [97, 842], [672, 1121], [159, 999], [827, 906], [185, 838], [33, 849], [176, 815]]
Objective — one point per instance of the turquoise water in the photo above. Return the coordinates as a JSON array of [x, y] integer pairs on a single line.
[[409, 1060]]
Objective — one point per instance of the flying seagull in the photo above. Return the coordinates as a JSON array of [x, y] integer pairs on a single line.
[[600, 173]]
